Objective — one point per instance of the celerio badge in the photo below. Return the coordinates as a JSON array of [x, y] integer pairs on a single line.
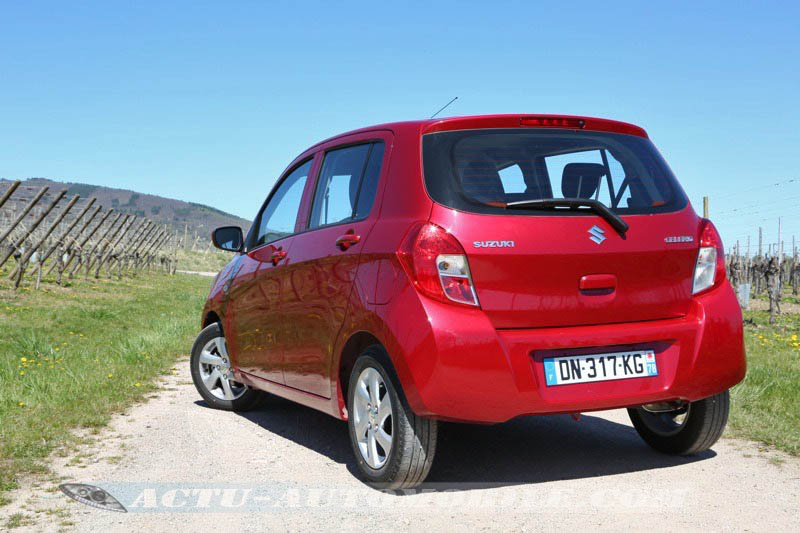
[[598, 234]]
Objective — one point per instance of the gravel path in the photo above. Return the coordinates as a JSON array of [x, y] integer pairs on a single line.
[[180, 466], [197, 273]]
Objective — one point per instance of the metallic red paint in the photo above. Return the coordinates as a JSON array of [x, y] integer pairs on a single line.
[[288, 325]]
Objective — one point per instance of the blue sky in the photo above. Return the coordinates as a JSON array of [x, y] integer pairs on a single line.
[[208, 101]]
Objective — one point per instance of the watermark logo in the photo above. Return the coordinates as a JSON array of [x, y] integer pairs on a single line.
[[288, 497], [92, 496]]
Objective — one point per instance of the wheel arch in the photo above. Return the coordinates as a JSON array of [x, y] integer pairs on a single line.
[[210, 318], [356, 344]]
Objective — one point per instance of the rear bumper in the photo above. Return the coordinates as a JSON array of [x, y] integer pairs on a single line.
[[462, 368]]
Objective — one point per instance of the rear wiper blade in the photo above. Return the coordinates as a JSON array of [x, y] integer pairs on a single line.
[[612, 218]]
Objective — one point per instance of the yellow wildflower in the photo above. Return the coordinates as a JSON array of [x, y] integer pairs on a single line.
[[21, 372], [23, 359], [110, 376], [21, 404]]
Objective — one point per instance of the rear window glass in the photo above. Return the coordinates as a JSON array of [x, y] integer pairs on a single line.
[[476, 170]]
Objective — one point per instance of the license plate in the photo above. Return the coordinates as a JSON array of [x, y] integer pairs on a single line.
[[599, 367]]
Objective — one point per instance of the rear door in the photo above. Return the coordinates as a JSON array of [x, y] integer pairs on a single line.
[[325, 257], [560, 267]]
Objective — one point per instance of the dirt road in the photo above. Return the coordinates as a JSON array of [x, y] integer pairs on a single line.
[[179, 466]]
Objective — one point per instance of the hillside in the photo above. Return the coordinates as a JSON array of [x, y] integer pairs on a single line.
[[176, 213]]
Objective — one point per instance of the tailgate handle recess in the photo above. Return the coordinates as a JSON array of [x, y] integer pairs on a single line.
[[598, 282]]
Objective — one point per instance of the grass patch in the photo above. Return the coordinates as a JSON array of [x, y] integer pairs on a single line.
[[18, 520], [202, 261], [70, 357], [766, 405]]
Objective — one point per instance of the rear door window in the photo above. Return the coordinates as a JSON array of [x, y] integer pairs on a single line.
[[347, 184], [482, 170]]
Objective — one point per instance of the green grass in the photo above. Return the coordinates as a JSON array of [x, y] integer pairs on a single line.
[[200, 261], [17, 520], [70, 357], [766, 405]]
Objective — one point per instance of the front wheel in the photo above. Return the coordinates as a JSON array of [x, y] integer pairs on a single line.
[[394, 448], [212, 373], [693, 428]]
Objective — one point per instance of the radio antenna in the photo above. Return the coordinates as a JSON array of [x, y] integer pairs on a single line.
[[445, 106]]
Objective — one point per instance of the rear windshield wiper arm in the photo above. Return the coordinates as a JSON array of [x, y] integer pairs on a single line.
[[612, 218]]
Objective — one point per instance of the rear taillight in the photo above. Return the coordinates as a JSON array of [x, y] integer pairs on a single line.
[[709, 270], [437, 265]]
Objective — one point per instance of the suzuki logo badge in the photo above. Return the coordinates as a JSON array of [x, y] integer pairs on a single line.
[[598, 234]]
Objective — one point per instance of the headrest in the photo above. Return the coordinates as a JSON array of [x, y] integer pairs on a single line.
[[580, 180]]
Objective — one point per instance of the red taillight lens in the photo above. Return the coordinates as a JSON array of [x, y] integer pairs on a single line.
[[709, 270], [437, 265]]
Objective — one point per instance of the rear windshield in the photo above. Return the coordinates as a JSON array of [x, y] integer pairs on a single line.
[[476, 170]]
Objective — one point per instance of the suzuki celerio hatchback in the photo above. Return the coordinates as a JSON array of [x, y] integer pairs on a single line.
[[476, 269]]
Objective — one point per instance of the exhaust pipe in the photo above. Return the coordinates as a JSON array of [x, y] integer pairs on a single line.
[[665, 407]]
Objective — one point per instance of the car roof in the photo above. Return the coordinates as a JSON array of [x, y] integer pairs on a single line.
[[499, 121]]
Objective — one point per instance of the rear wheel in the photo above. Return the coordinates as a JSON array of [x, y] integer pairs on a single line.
[[212, 373], [394, 448], [692, 428]]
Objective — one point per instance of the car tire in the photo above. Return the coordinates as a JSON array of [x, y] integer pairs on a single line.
[[212, 371], [684, 433], [412, 438]]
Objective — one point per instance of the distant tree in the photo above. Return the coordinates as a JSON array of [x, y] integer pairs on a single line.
[[133, 199], [82, 189], [156, 209]]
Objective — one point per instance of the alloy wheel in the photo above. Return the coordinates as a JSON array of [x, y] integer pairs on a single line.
[[216, 372], [372, 418]]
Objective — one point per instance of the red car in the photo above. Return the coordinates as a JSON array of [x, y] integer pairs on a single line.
[[476, 269]]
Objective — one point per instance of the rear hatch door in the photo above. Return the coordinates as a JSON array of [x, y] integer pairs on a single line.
[[535, 267], [546, 271]]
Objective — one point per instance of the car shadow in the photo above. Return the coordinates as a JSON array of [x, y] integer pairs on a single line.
[[526, 450]]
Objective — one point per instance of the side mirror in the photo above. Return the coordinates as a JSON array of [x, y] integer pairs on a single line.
[[228, 238]]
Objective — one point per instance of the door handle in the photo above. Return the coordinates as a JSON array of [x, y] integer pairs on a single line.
[[347, 240], [278, 256]]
